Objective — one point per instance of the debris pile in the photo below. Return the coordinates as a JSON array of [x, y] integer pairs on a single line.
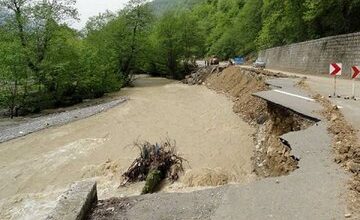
[[273, 154], [201, 74], [106, 209], [267, 73], [155, 163], [346, 142]]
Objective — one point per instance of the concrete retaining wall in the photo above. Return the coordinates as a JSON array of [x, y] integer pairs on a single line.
[[314, 57], [75, 203]]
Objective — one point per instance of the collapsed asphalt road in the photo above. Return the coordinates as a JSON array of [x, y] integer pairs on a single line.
[[314, 191], [317, 190]]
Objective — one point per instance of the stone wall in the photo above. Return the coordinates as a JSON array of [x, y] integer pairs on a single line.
[[314, 57]]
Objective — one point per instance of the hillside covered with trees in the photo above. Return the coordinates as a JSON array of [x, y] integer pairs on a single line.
[[44, 63]]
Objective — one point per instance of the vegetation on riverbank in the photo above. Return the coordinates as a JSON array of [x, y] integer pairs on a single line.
[[44, 63]]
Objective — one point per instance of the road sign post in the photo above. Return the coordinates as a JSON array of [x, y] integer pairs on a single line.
[[353, 89], [335, 70], [335, 86], [355, 72]]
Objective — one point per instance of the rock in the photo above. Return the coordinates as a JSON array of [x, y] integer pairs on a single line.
[[262, 119], [340, 158], [348, 215], [344, 149], [111, 209], [334, 117], [356, 160], [354, 167]]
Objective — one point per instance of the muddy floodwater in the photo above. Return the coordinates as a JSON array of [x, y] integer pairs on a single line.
[[218, 145]]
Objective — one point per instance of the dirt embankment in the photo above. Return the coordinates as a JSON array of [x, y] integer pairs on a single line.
[[272, 156], [241, 84]]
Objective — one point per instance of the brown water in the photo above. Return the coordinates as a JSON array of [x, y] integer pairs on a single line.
[[35, 169]]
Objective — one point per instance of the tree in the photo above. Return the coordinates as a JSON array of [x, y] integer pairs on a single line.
[[61, 67], [331, 17], [44, 63], [247, 26], [167, 44], [137, 16], [272, 31], [13, 78], [191, 39], [100, 55], [31, 27], [219, 39], [40, 17], [96, 23]]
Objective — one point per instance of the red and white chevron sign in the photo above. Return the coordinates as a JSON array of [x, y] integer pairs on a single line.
[[336, 69], [355, 70]]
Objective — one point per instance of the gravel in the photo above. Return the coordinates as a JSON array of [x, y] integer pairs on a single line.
[[56, 119]]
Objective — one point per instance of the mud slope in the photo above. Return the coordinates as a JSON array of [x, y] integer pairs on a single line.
[[241, 85], [271, 157]]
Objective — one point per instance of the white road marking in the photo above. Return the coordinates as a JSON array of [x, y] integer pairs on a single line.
[[294, 95]]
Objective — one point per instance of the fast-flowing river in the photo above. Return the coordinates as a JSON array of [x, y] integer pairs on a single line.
[[37, 168]]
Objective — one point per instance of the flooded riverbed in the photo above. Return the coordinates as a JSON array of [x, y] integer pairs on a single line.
[[218, 145]]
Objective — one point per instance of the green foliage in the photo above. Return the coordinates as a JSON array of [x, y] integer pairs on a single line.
[[248, 24], [176, 41], [13, 78], [168, 43], [331, 17], [44, 63], [153, 179], [240, 27]]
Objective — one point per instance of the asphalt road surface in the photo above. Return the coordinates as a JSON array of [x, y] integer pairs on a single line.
[[324, 85]]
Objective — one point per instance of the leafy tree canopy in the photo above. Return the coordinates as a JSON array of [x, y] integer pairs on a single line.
[[44, 63]]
